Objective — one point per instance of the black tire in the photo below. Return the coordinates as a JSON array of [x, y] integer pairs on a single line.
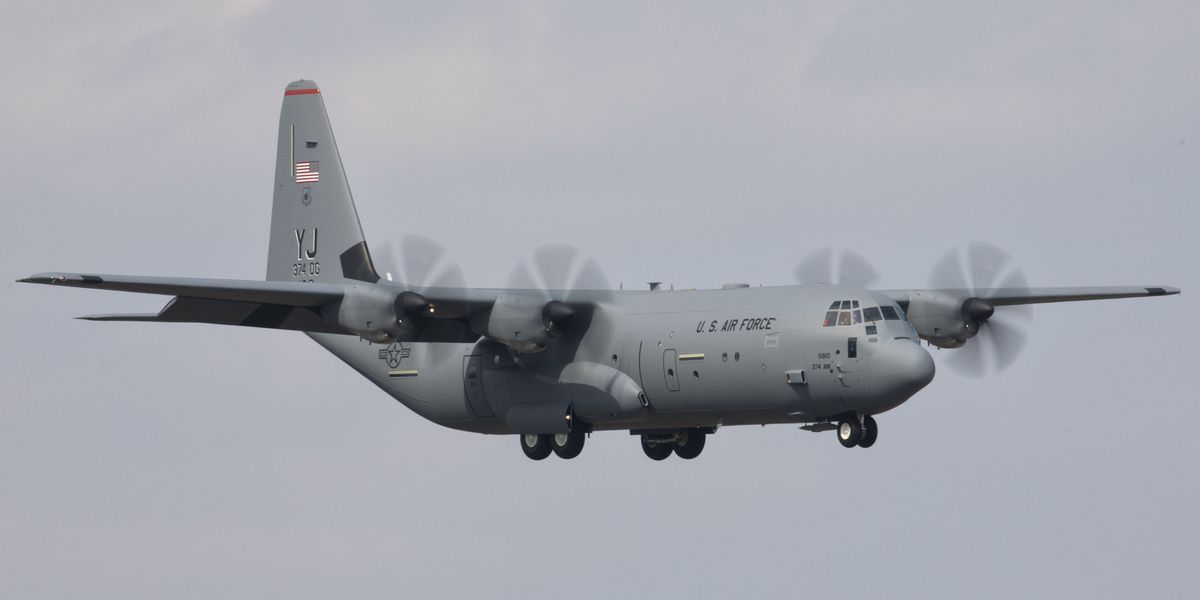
[[536, 446], [690, 444], [568, 445], [656, 450], [870, 432], [849, 432]]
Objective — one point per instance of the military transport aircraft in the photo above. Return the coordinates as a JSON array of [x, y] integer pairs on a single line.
[[557, 356]]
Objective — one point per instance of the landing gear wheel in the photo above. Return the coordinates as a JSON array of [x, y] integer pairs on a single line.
[[690, 444], [870, 432], [849, 432], [569, 445], [656, 450], [536, 446]]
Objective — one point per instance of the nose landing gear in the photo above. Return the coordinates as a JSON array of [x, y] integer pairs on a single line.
[[857, 430], [870, 432]]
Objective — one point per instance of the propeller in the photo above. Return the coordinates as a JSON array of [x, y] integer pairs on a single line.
[[830, 266], [999, 332], [419, 264], [561, 273], [567, 284]]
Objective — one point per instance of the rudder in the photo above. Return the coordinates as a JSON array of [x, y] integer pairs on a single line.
[[315, 231]]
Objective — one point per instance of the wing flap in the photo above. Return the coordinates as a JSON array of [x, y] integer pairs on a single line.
[[229, 312]]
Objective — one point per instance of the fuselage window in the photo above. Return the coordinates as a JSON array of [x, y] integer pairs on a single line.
[[844, 318], [836, 305], [857, 316], [830, 319], [855, 304], [845, 305], [889, 313], [872, 313]]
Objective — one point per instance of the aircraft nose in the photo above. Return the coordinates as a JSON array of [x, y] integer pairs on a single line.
[[904, 367]]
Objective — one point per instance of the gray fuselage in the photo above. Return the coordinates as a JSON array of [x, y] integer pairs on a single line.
[[693, 358]]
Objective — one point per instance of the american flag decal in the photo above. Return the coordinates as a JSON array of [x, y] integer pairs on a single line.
[[307, 172]]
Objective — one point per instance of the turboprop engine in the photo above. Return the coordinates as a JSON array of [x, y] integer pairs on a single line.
[[527, 323], [947, 321], [379, 314]]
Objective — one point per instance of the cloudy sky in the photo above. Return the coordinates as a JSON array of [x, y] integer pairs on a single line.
[[692, 143]]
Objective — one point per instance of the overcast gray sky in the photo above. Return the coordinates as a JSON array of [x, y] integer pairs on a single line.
[[692, 143]]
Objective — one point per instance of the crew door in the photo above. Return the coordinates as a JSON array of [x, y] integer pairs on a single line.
[[852, 367]]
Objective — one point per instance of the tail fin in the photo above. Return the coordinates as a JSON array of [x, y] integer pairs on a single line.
[[315, 232]]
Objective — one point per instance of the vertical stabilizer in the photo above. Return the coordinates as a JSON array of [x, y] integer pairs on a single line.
[[315, 233]]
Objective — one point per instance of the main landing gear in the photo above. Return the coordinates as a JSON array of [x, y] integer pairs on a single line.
[[685, 443], [857, 430], [565, 445], [658, 445]]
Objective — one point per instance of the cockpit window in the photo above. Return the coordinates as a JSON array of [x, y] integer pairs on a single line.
[[844, 313]]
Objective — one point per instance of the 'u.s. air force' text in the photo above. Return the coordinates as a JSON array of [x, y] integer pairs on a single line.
[[731, 325]]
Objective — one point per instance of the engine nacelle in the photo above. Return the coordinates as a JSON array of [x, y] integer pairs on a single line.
[[946, 320], [378, 314], [527, 323]]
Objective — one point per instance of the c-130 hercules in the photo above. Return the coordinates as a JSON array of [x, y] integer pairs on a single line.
[[553, 363]]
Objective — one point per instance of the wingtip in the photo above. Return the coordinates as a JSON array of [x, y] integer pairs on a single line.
[[73, 279], [1162, 290]]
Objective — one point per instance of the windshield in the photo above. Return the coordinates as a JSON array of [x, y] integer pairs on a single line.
[[847, 313]]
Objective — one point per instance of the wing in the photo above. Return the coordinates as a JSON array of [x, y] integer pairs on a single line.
[[949, 317], [281, 292], [1017, 296], [352, 307], [269, 304]]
